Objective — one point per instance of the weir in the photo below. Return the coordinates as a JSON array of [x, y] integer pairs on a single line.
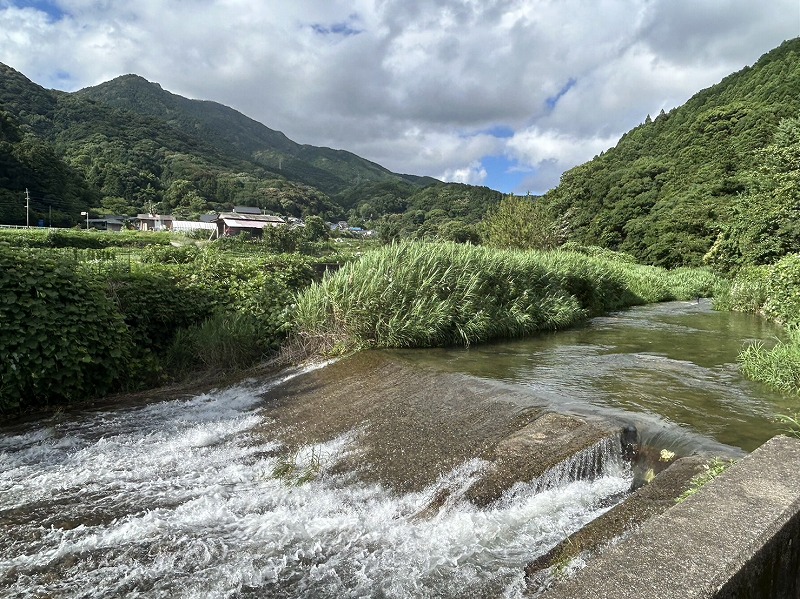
[[738, 537]]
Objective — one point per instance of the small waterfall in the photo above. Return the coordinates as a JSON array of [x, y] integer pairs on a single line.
[[604, 458]]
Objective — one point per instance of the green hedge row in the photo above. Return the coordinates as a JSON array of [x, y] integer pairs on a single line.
[[73, 330], [61, 337], [67, 238]]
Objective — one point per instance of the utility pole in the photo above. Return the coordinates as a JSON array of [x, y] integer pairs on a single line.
[[27, 209]]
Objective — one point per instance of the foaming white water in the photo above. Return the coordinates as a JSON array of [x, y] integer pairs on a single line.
[[180, 499]]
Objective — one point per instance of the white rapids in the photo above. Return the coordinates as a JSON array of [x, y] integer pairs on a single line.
[[181, 499]]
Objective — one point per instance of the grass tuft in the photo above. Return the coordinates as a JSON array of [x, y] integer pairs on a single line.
[[710, 471]]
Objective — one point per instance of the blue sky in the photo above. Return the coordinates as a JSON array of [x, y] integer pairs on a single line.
[[49, 7], [507, 94]]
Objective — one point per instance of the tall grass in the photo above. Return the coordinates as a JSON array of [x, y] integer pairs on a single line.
[[774, 291], [227, 341], [438, 294], [747, 292], [778, 367]]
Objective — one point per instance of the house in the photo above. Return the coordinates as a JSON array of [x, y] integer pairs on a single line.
[[154, 222], [233, 223], [109, 223]]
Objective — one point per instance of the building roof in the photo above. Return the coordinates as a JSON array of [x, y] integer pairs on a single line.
[[248, 224], [266, 218], [161, 217], [247, 210], [190, 225]]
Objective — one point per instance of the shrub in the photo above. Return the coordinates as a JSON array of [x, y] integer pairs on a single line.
[[168, 254], [66, 238], [523, 223], [747, 292], [783, 291], [225, 341], [156, 301], [61, 338]]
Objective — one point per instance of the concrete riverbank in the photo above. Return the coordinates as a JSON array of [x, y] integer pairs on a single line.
[[739, 536]]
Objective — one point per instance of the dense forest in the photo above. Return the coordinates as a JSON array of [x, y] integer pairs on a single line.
[[128, 146], [717, 174]]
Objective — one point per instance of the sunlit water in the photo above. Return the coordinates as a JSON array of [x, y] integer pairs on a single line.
[[179, 499], [668, 368], [182, 498]]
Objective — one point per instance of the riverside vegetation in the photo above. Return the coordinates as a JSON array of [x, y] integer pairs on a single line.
[[713, 183], [80, 325]]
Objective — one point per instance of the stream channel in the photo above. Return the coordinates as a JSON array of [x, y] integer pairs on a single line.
[[314, 483]]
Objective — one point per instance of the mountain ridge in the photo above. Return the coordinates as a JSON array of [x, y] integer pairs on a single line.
[[139, 146], [667, 189]]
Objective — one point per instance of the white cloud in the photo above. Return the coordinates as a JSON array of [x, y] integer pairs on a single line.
[[473, 174], [412, 84]]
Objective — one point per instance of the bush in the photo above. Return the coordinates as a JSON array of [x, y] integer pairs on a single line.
[[225, 341], [747, 292], [783, 291], [156, 301], [168, 254], [66, 238], [61, 338]]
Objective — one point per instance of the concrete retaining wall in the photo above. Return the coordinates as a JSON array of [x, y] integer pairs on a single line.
[[738, 537]]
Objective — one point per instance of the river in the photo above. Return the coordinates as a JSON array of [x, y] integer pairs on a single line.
[[314, 483]]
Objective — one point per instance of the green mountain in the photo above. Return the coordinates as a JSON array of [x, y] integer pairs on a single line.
[[128, 146], [679, 184], [233, 133]]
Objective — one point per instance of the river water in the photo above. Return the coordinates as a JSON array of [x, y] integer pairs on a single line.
[[252, 491]]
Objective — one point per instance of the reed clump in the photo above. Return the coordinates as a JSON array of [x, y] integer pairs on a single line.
[[773, 291], [417, 294], [779, 366]]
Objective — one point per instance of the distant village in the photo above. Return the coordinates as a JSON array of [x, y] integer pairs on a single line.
[[242, 219]]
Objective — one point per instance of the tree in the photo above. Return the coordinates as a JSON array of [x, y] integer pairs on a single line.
[[459, 232], [764, 224], [315, 229], [522, 222]]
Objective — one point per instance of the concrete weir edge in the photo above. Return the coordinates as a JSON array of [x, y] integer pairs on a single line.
[[739, 536]]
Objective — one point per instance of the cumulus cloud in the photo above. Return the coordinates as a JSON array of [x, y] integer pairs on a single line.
[[473, 174], [414, 85]]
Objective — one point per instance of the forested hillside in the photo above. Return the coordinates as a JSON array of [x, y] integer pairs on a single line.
[[128, 146], [719, 171]]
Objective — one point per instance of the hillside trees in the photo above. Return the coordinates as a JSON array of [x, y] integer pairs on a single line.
[[671, 185], [764, 222]]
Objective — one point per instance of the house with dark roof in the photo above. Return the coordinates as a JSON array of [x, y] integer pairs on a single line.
[[108, 223]]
